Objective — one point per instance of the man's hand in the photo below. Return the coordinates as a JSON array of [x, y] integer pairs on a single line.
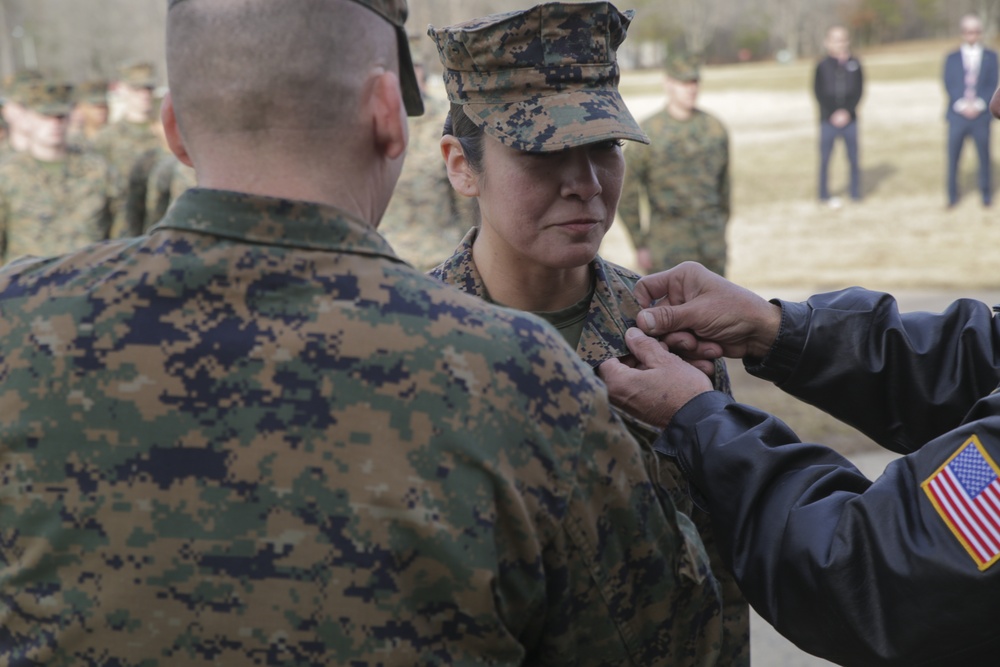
[[701, 315], [971, 112], [840, 118], [657, 386]]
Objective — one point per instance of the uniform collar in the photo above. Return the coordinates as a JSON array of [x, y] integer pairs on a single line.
[[612, 310], [275, 222]]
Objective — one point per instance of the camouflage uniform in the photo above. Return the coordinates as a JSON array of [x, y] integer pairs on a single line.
[[426, 218], [50, 208], [543, 80], [54, 208], [256, 436], [683, 175], [123, 143], [613, 309], [168, 180]]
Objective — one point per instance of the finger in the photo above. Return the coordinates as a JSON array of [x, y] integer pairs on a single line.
[[660, 320], [615, 376], [651, 288], [649, 352], [685, 345], [680, 341], [706, 367]]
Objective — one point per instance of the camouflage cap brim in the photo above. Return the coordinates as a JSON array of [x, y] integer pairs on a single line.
[[412, 97], [556, 122], [55, 110], [395, 12]]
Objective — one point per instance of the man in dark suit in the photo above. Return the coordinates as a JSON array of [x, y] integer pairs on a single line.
[[970, 77]]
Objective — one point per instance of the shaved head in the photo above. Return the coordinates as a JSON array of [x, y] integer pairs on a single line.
[[255, 66]]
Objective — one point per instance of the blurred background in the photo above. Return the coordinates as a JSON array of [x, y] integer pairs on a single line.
[[87, 40], [761, 55]]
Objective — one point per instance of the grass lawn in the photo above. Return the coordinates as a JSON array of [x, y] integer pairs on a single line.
[[899, 236]]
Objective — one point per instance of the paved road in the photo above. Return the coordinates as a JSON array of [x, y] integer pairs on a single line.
[[769, 649]]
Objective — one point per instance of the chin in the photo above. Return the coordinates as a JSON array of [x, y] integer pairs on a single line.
[[573, 258]]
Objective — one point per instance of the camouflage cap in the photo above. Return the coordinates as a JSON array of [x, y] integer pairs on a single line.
[[683, 66], [16, 85], [540, 79], [49, 98], [138, 75], [395, 12], [92, 92]]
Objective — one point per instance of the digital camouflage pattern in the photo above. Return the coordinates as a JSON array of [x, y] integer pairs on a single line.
[[140, 74], [684, 176], [94, 91], [49, 98], [168, 180], [613, 310], [51, 208], [15, 85], [426, 217], [137, 192], [255, 436], [540, 79], [683, 66], [122, 144]]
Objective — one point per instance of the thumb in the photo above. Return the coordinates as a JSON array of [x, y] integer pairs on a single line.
[[613, 372], [649, 352], [664, 319]]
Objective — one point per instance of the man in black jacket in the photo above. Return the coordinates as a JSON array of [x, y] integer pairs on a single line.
[[899, 571], [838, 87]]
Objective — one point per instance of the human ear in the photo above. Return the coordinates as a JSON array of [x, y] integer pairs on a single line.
[[173, 134], [460, 173], [389, 115]]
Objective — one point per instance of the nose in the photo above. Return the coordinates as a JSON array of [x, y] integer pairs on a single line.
[[580, 175]]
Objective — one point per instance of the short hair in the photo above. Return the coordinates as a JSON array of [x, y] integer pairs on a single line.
[[253, 65]]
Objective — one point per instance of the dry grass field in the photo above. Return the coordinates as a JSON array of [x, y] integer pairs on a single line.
[[900, 238]]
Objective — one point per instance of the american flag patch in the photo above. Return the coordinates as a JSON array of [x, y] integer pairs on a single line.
[[966, 493]]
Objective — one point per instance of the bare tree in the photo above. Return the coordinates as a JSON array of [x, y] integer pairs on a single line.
[[786, 21], [697, 20], [7, 62]]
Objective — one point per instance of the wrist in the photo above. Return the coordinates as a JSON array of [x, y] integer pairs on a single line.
[[767, 331]]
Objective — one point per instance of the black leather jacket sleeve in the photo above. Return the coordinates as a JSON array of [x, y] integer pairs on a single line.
[[899, 378], [858, 572]]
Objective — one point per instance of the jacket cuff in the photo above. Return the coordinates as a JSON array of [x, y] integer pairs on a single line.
[[783, 357], [699, 407]]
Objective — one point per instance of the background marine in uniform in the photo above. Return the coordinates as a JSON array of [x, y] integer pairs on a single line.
[[54, 198], [683, 175]]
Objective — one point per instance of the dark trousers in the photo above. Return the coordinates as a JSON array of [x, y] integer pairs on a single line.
[[979, 129], [827, 135]]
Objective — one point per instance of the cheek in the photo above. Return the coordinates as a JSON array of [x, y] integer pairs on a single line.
[[612, 178], [514, 194]]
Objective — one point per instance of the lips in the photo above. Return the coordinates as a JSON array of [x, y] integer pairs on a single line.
[[579, 226]]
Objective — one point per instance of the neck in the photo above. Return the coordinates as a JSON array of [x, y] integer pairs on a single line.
[[517, 282], [678, 112], [361, 188]]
